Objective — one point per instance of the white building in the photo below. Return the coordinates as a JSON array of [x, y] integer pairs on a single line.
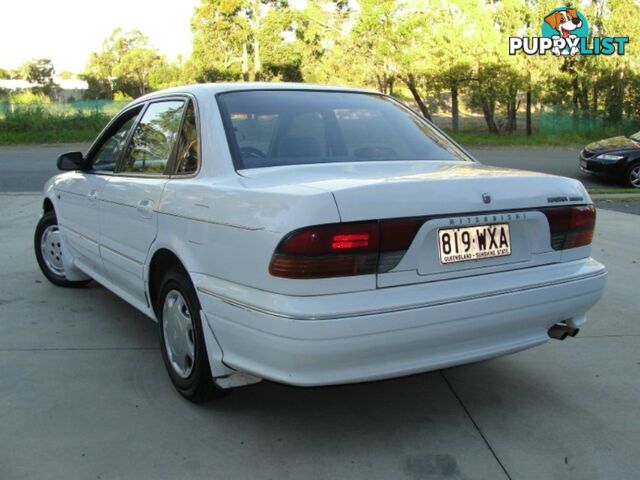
[[70, 88]]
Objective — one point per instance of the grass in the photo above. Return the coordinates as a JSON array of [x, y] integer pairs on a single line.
[[37, 125], [619, 200], [605, 190], [570, 139]]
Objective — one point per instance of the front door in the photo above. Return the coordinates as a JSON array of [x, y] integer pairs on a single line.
[[129, 201], [78, 211]]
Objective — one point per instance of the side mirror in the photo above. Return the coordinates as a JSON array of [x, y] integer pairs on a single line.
[[70, 161]]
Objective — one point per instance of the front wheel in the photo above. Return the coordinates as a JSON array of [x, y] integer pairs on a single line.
[[181, 339], [632, 178], [47, 245]]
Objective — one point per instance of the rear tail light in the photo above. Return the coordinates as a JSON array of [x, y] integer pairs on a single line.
[[343, 249], [395, 238], [571, 227]]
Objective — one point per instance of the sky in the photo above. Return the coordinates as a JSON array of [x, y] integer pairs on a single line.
[[67, 31]]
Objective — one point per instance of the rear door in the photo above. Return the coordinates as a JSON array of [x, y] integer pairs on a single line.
[[128, 204]]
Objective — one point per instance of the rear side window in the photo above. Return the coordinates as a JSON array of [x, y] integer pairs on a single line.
[[292, 127], [188, 151], [154, 138]]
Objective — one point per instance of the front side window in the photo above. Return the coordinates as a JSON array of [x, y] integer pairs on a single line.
[[106, 157], [153, 140], [292, 127]]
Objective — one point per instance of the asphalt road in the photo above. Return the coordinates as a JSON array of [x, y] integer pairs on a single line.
[[85, 395], [27, 168]]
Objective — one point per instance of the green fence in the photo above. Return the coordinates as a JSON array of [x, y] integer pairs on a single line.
[[552, 122], [83, 107]]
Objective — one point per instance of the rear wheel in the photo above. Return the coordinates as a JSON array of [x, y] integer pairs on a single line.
[[632, 178], [181, 338], [47, 245]]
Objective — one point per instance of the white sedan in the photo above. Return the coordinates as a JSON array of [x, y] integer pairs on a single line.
[[313, 236]]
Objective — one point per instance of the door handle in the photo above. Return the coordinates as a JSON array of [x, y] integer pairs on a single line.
[[145, 208], [92, 195]]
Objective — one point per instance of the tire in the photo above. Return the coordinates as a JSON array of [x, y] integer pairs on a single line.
[[46, 243], [181, 338], [632, 176]]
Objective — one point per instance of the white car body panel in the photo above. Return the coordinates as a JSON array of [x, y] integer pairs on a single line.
[[129, 224], [413, 188], [77, 196], [339, 339], [224, 225]]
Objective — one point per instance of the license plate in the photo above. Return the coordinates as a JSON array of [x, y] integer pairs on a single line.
[[474, 243], [583, 163]]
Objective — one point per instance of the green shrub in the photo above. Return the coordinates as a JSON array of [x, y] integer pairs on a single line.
[[29, 98], [37, 125]]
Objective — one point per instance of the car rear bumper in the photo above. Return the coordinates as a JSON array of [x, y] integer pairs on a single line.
[[362, 336]]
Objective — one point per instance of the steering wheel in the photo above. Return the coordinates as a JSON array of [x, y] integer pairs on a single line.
[[251, 152]]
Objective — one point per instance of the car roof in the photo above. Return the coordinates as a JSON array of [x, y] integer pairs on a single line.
[[205, 90]]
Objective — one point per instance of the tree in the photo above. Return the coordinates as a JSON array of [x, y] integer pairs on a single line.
[[518, 18], [415, 61], [39, 71], [463, 36], [329, 54], [619, 69], [220, 50], [236, 39], [136, 67], [496, 84], [375, 38], [126, 63]]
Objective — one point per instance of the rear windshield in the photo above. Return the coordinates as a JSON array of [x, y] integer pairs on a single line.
[[293, 127]]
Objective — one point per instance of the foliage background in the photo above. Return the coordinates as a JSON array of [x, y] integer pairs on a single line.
[[447, 58]]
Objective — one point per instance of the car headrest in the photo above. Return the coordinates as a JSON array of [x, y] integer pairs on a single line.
[[299, 146]]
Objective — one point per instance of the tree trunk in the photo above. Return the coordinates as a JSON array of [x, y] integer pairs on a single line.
[[455, 109], [528, 114], [411, 84], [245, 63], [620, 86], [511, 115], [109, 88], [489, 117], [257, 64], [594, 107], [575, 99]]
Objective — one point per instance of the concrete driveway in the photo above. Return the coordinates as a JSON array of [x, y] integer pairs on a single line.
[[84, 394]]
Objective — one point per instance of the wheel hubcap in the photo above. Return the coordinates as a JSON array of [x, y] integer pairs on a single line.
[[51, 251], [634, 176], [178, 333]]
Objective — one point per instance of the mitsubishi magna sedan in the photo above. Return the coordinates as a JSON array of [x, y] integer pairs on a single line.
[[314, 236]]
